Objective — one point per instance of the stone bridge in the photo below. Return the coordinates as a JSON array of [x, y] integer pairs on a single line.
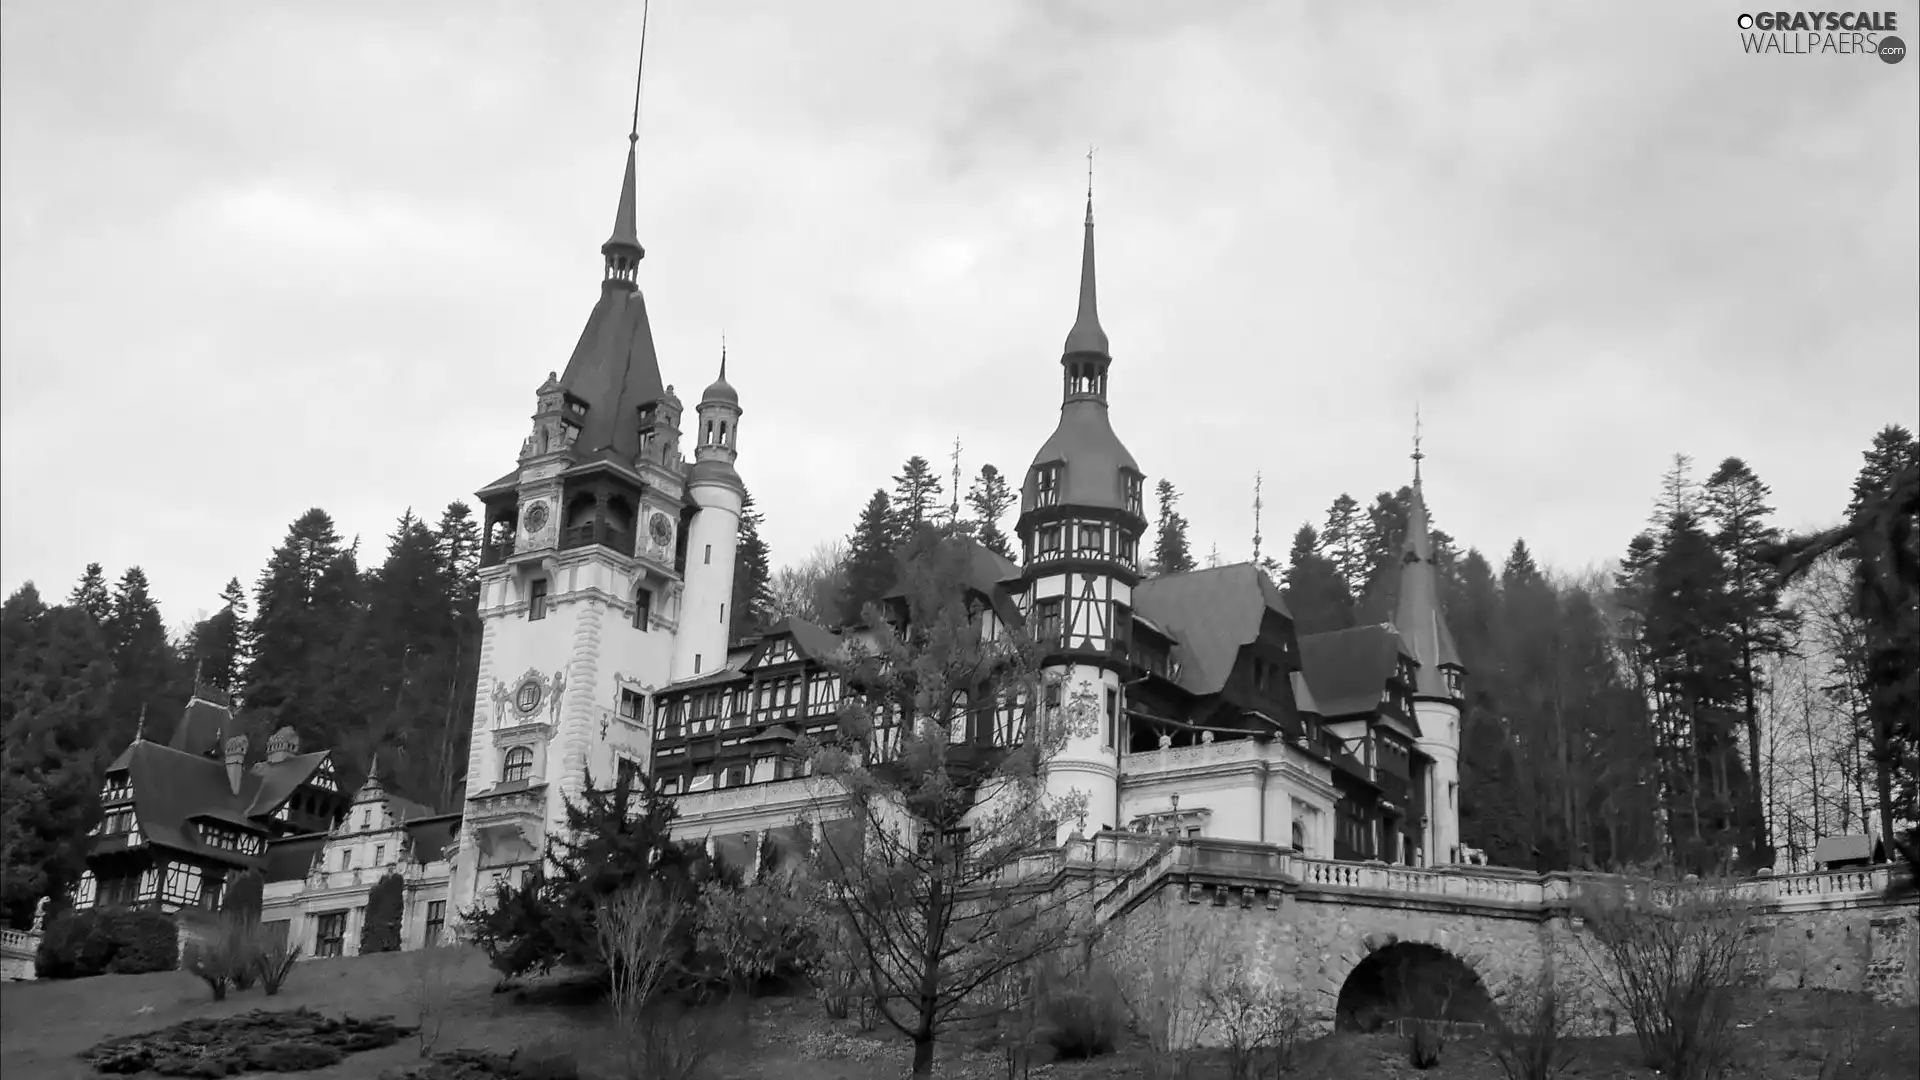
[[1325, 927]]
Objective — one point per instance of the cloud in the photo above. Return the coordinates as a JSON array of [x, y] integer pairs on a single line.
[[266, 259]]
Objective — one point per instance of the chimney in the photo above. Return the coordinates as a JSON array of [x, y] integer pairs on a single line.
[[282, 745], [236, 761]]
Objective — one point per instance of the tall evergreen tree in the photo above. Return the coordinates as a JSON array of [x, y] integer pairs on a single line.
[[990, 498], [218, 644], [752, 604], [871, 566], [917, 495], [1735, 506], [305, 614], [149, 674], [1341, 542], [1171, 554], [56, 691], [1316, 593], [91, 595], [400, 654], [457, 539]]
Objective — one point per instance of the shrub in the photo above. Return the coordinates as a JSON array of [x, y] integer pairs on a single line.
[[274, 963], [673, 1043], [1424, 1044], [101, 941], [1260, 1023], [1529, 1042], [231, 959], [432, 989], [545, 1060], [1671, 956], [1082, 1013], [245, 896], [386, 907]]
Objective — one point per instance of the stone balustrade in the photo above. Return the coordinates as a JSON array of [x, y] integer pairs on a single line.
[[19, 953], [1142, 861]]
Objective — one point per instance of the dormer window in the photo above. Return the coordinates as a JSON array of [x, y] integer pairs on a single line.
[[1130, 486], [1047, 486], [1455, 685]]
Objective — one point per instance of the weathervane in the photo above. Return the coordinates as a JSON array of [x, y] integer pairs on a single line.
[[1417, 455]]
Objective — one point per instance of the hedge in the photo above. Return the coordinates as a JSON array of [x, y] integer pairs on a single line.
[[108, 941], [386, 906]]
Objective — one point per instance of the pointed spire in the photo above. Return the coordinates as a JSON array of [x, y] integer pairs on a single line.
[[1086, 335], [722, 390], [622, 250], [1418, 615], [1417, 455], [140, 727]]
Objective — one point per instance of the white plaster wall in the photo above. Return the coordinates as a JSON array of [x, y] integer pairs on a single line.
[[711, 539], [1085, 764], [1440, 740]]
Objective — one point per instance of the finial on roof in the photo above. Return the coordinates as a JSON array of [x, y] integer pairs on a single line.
[[1256, 518], [622, 250], [1417, 455], [140, 727], [1086, 335]]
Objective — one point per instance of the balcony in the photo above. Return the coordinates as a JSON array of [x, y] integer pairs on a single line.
[[495, 554], [597, 534]]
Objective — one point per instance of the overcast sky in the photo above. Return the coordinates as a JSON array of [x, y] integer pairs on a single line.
[[260, 257]]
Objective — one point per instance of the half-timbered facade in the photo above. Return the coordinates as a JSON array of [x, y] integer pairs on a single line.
[[180, 819], [1214, 716]]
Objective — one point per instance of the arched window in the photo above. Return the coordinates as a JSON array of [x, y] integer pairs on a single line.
[[517, 766]]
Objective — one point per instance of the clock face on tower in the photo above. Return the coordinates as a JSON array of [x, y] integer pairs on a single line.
[[660, 528], [536, 517]]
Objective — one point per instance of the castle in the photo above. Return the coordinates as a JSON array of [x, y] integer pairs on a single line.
[[609, 562], [607, 568]]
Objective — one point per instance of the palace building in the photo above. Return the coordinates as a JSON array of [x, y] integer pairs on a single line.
[[1217, 718], [606, 571]]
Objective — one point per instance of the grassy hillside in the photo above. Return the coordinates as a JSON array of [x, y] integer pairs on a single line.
[[44, 1025]]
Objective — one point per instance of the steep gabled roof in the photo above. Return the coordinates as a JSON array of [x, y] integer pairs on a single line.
[[202, 726], [615, 371], [277, 781], [1347, 670], [432, 835], [1212, 614], [290, 858]]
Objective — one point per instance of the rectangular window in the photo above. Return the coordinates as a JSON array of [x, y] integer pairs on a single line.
[[436, 921], [537, 599], [696, 663], [1093, 538], [736, 776], [1049, 539], [330, 936], [707, 558], [366, 818], [723, 614], [628, 774], [642, 608], [1047, 486], [1049, 628], [1132, 484], [346, 860], [379, 854], [632, 703], [1113, 718]]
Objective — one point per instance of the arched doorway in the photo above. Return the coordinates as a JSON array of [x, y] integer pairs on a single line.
[[1411, 980]]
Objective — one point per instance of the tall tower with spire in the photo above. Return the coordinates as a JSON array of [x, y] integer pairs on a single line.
[[1439, 680], [606, 560], [1081, 519], [717, 496]]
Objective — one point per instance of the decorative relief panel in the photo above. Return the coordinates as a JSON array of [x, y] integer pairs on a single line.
[[521, 699]]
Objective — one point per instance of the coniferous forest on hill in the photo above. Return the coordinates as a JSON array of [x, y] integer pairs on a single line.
[[1724, 693]]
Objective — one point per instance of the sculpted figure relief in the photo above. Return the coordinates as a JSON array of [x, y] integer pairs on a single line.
[[502, 697], [554, 687]]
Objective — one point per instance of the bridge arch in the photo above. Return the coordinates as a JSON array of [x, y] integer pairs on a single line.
[[1387, 977]]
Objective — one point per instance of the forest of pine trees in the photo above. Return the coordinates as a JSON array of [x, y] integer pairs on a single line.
[[1693, 706]]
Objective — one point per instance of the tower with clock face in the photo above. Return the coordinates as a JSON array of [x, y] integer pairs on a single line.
[[606, 563]]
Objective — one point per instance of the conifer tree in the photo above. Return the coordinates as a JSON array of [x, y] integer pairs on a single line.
[[148, 671], [457, 539], [1316, 593], [752, 603], [1342, 543], [990, 498], [217, 645], [1735, 506], [402, 655], [301, 673], [56, 704], [870, 559], [917, 494], [1171, 554], [91, 595]]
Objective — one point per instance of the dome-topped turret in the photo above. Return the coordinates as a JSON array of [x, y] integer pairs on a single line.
[[721, 390]]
